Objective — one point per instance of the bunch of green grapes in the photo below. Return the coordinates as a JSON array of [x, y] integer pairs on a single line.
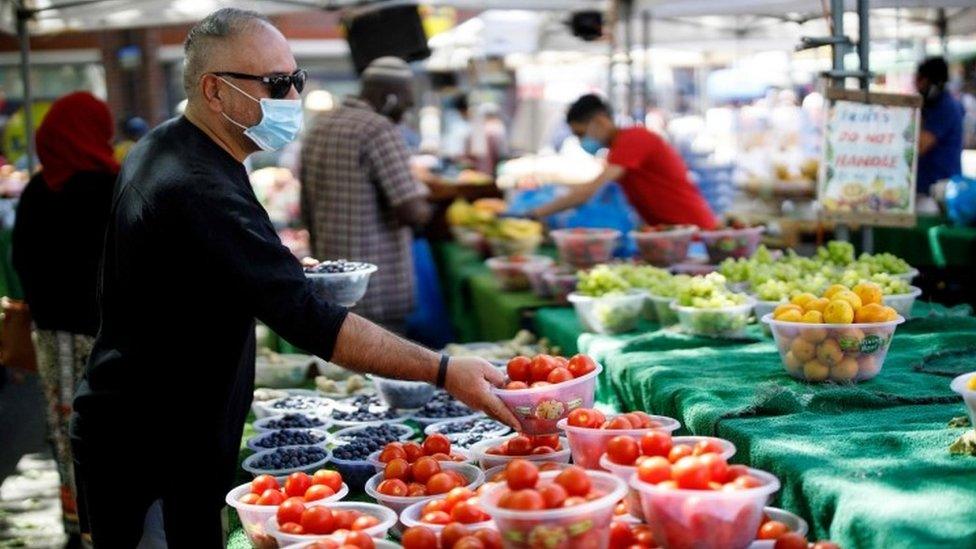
[[744, 269], [890, 285], [709, 292], [670, 286], [836, 253], [783, 290], [640, 276], [883, 263], [601, 280]]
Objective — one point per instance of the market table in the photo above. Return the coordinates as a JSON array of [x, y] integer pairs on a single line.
[[479, 309], [866, 465]]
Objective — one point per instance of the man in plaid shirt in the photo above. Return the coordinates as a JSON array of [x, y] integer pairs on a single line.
[[359, 200]]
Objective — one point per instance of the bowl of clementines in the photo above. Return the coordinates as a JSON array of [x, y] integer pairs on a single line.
[[842, 336]]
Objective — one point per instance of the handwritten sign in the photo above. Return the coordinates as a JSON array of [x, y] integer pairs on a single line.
[[867, 176]]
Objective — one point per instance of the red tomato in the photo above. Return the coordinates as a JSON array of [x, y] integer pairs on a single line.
[[437, 517], [623, 450], [458, 495], [549, 441], [645, 420], [271, 496], [250, 498], [392, 452], [418, 537], [397, 468], [520, 445], [392, 487], [413, 450], [363, 522], [490, 538], [468, 513], [359, 540], [656, 443], [440, 456], [580, 365], [554, 495], [415, 489], [746, 482], [583, 417], [434, 505], [343, 520], [469, 542], [459, 479], [678, 452], [707, 446], [541, 450], [437, 444], [424, 468], [559, 375], [452, 533], [718, 469], [296, 484], [541, 366], [516, 386], [772, 530], [621, 536], [292, 528], [440, 483], [574, 480], [643, 536], [791, 540], [654, 469], [318, 520], [521, 474], [619, 422], [518, 368], [262, 483], [690, 473], [332, 479], [527, 500], [291, 510], [318, 491], [635, 420]]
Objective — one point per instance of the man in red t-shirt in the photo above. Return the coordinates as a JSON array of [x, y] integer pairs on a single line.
[[652, 174]]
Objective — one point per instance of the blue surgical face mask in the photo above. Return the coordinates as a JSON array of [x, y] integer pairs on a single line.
[[590, 145], [281, 120]]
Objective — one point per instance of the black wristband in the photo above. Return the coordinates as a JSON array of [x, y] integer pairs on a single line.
[[442, 372]]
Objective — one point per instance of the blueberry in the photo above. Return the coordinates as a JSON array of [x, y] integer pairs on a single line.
[[443, 405], [289, 458], [294, 421], [337, 266]]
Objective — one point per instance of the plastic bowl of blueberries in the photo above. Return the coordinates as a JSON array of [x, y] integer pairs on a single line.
[[288, 437], [291, 421], [403, 395], [461, 429], [351, 447], [443, 406], [340, 282], [364, 410], [287, 460]]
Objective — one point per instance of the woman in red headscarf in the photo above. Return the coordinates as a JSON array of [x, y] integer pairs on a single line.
[[57, 247]]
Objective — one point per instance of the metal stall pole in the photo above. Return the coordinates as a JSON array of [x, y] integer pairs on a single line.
[[864, 64], [646, 47], [23, 14]]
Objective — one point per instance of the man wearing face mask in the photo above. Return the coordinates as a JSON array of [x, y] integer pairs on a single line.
[[940, 141], [650, 171], [359, 199], [191, 259]]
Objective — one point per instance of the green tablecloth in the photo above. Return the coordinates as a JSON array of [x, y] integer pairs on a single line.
[[866, 465], [480, 310]]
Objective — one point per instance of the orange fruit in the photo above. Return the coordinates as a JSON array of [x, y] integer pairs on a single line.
[[814, 335], [829, 352], [783, 307], [803, 350], [818, 304], [800, 299], [845, 370], [872, 312], [833, 289], [869, 292], [838, 311], [890, 314], [815, 370], [812, 317], [790, 315], [849, 297]]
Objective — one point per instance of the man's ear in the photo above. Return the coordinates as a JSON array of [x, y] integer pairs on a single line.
[[210, 90]]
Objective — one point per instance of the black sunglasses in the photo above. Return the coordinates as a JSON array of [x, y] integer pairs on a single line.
[[278, 84]]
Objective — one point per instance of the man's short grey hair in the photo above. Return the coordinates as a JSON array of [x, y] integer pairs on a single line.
[[200, 41]]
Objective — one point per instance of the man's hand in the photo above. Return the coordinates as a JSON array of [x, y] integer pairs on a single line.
[[469, 379]]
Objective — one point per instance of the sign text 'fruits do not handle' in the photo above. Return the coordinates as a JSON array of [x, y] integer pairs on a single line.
[[870, 154]]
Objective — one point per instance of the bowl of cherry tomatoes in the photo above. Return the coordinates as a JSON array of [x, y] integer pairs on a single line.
[[584, 247], [258, 500], [540, 448], [664, 245], [453, 536], [624, 456], [297, 523], [556, 509], [401, 483], [460, 505], [497, 473], [588, 431], [702, 502], [437, 446], [544, 389]]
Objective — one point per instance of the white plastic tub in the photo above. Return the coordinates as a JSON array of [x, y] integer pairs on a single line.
[[903, 303], [345, 289], [719, 322], [609, 314], [254, 517], [386, 517]]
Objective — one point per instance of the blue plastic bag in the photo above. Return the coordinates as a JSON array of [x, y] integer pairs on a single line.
[[960, 198]]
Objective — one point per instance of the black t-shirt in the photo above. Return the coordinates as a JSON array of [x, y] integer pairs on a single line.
[[191, 259], [57, 245]]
